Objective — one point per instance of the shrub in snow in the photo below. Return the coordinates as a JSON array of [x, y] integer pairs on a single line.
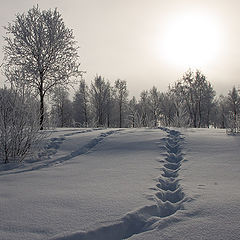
[[19, 125]]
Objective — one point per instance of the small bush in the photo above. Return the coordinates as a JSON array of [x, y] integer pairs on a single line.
[[19, 125]]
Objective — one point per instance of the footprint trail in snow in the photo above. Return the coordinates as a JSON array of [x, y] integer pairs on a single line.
[[169, 198], [54, 145], [169, 191]]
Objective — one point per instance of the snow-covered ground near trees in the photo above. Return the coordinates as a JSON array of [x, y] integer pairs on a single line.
[[113, 184]]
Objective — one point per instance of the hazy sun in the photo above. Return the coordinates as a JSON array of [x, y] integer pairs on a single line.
[[191, 40]]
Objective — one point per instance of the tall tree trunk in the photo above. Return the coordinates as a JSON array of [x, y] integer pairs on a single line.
[[85, 115], [200, 115], [6, 155], [155, 119], [195, 120], [108, 120], [100, 118], [62, 120], [85, 110], [41, 93], [120, 115], [41, 110], [208, 118]]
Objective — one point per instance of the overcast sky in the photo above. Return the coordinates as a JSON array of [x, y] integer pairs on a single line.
[[130, 39]]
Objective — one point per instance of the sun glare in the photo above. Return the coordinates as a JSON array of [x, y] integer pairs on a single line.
[[191, 40]]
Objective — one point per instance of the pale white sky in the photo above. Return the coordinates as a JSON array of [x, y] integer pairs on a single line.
[[134, 39]]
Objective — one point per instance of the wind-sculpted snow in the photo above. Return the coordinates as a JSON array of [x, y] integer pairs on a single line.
[[169, 198]]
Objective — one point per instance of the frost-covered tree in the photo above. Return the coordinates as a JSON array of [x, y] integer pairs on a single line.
[[154, 105], [62, 112], [43, 50], [144, 110], [179, 117], [81, 105], [110, 106], [233, 100], [19, 125], [99, 94], [209, 104], [198, 95], [167, 108], [221, 112], [121, 94], [133, 112]]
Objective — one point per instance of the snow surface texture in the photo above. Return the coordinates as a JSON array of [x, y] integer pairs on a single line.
[[168, 198], [125, 184]]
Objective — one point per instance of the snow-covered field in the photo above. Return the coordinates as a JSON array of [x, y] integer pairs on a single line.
[[113, 184]]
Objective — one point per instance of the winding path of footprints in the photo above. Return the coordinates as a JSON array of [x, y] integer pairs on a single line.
[[169, 198]]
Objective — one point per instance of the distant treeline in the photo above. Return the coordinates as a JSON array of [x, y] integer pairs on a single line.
[[189, 102]]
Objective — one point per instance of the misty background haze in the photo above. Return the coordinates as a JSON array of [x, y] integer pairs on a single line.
[[121, 39]]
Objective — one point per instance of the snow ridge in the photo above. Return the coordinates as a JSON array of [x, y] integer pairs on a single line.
[[169, 199]]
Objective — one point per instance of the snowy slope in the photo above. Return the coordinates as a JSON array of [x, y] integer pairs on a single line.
[[211, 177], [125, 184]]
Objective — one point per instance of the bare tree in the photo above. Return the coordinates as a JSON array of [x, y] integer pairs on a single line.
[[198, 95], [208, 103], [19, 125], [234, 109], [99, 98], [154, 104], [180, 118], [167, 108], [43, 50], [121, 94], [133, 112], [222, 112], [61, 112], [144, 108], [80, 104], [234, 102], [110, 105]]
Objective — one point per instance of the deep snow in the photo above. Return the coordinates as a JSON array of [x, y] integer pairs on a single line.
[[125, 184]]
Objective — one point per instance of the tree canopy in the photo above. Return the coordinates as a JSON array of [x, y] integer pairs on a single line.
[[40, 52]]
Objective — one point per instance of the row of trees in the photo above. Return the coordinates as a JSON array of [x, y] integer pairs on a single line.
[[190, 102], [41, 61], [99, 104], [40, 56]]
